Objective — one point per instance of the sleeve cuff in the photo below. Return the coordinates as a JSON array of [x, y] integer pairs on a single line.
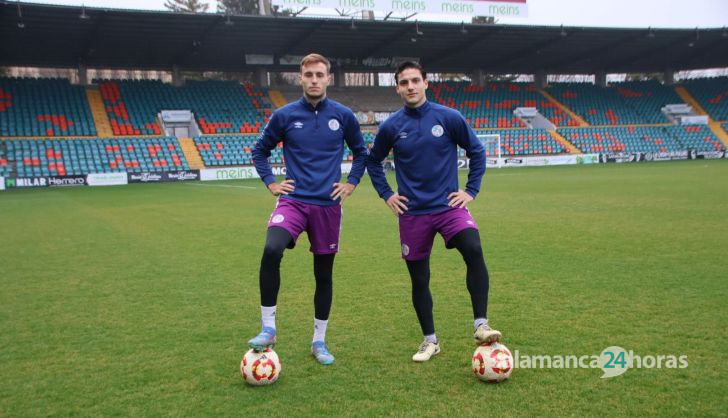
[[269, 179]]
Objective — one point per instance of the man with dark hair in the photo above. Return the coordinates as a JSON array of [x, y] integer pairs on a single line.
[[425, 137], [313, 131]]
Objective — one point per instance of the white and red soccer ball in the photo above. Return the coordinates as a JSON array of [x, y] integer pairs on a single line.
[[260, 367], [492, 362]]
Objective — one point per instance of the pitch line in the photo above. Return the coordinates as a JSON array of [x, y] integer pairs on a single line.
[[221, 185]]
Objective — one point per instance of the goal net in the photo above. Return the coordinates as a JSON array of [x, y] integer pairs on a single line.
[[492, 144]]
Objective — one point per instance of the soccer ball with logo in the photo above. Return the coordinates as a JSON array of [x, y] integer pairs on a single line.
[[492, 362], [260, 367]]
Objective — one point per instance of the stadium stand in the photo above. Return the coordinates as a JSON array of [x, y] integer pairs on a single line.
[[218, 106], [492, 105], [32, 107], [6, 168], [627, 103], [642, 138], [226, 150], [695, 137], [220, 150], [51, 157], [523, 142], [358, 99], [230, 114], [712, 94]]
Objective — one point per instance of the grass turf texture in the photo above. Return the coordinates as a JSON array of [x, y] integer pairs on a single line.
[[138, 300]]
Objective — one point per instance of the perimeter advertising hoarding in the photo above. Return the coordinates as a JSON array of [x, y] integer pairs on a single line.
[[502, 8]]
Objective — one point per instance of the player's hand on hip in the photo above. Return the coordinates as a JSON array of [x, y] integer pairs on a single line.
[[397, 204], [459, 199], [342, 191], [284, 187]]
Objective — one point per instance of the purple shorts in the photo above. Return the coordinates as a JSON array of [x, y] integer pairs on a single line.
[[321, 223], [417, 232]]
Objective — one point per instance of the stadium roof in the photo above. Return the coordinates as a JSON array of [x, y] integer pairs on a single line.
[[64, 36]]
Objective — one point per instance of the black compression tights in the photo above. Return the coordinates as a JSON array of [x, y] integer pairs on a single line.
[[276, 242], [467, 243]]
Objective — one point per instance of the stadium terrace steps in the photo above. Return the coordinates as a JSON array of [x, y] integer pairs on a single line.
[[276, 97], [98, 112], [563, 107], [571, 148], [689, 99], [191, 154]]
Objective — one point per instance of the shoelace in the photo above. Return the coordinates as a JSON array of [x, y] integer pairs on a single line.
[[423, 346]]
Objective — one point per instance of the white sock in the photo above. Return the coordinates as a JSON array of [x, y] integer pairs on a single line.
[[268, 316], [478, 322], [319, 329], [432, 338]]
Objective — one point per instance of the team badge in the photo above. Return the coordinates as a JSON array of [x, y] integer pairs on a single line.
[[277, 219], [437, 131], [334, 125], [298, 125], [405, 249]]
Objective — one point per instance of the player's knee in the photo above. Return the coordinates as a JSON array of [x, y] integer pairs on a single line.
[[272, 252], [472, 251]]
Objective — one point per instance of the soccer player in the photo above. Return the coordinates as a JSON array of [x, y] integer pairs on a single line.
[[313, 131], [425, 137]]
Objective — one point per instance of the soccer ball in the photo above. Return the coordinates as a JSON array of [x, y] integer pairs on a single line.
[[260, 367], [492, 362]]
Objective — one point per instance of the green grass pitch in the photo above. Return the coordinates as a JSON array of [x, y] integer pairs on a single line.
[[138, 300]]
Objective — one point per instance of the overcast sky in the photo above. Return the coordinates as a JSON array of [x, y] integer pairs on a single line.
[[604, 13]]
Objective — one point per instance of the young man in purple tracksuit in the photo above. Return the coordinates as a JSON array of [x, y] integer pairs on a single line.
[[313, 131], [424, 137]]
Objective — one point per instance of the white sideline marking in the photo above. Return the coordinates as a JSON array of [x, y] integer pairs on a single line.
[[220, 185]]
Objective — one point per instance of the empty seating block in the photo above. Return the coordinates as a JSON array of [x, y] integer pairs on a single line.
[[231, 150], [522, 142], [219, 106], [34, 158], [712, 94], [44, 107], [6, 168], [619, 103], [492, 106], [696, 138], [623, 139]]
